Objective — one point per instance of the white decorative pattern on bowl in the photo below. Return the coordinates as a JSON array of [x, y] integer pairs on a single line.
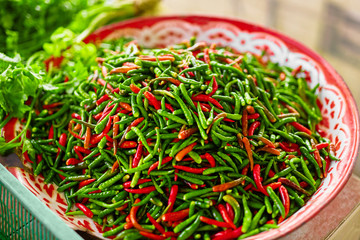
[[340, 123]]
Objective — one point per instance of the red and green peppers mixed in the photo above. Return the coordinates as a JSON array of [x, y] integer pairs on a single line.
[[189, 140]]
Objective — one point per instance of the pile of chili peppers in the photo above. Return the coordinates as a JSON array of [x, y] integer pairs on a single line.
[[188, 141]]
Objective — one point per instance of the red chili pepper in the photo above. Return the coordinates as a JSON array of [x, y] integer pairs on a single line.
[[253, 116], [27, 158], [102, 82], [282, 76], [138, 155], [285, 200], [164, 57], [133, 219], [230, 211], [225, 186], [105, 113], [202, 106], [190, 169], [151, 236], [156, 164], [52, 105], [244, 122], [85, 210], [215, 87], [122, 207], [100, 60], [76, 116], [171, 80], [128, 144], [322, 145], [61, 176], [214, 222], [152, 100], [108, 107], [74, 134], [293, 185], [267, 142], [257, 179], [86, 182], [96, 138], [210, 159], [128, 225], [249, 152], [233, 62], [244, 171], [207, 57], [207, 98], [192, 185], [168, 106], [72, 161], [62, 141], [51, 133], [115, 132], [327, 160], [107, 127], [250, 109], [175, 175], [191, 74], [228, 234], [253, 127], [225, 215], [114, 166], [38, 158], [141, 181], [300, 127], [175, 216], [172, 197], [155, 223], [273, 185], [97, 116], [269, 150], [104, 71], [125, 106], [317, 155], [129, 64], [87, 138], [271, 173], [181, 154], [116, 90], [270, 221], [77, 127], [287, 148], [102, 99], [136, 122], [183, 134], [170, 234], [123, 69], [144, 190]]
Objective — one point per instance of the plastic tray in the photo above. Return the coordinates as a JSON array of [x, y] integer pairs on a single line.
[[23, 216]]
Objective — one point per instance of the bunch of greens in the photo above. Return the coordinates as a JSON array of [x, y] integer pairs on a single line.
[[59, 26], [26, 25]]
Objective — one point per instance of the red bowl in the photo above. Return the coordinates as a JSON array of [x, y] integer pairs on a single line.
[[340, 115]]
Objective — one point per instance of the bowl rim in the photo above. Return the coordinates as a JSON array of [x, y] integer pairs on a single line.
[[294, 46]]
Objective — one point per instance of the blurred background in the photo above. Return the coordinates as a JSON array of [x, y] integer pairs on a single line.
[[330, 27]]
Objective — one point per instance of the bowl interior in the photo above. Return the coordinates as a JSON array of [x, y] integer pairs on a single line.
[[340, 117]]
